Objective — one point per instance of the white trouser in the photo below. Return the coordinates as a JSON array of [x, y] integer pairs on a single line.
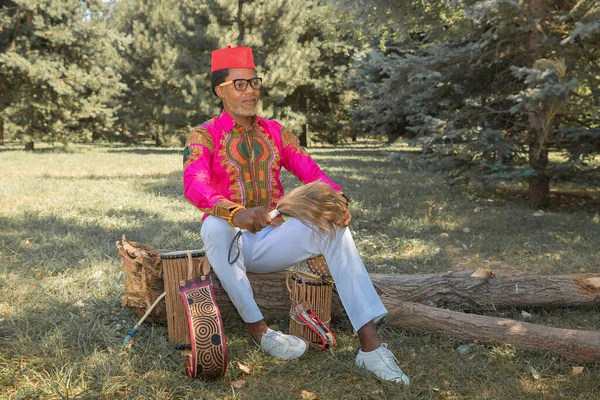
[[277, 248]]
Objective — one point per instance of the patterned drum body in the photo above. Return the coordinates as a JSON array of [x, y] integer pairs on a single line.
[[208, 357]]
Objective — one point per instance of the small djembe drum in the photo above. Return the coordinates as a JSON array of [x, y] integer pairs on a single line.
[[196, 321], [310, 310]]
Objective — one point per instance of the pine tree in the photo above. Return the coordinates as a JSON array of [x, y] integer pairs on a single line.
[[159, 71], [57, 63], [302, 48], [325, 96], [505, 80], [168, 70]]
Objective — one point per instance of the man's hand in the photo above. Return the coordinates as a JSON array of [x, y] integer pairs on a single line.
[[252, 219]]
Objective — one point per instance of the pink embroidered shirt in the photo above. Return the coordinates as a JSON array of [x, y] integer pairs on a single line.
[[225, 166]]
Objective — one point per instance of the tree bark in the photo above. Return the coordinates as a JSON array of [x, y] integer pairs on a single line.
[[158, 141], [1, 131], [29, 133], [573, 345], [239, 21], [455, 290], [143, 279], [303, 137], [481, 290], [539, 184], [272, 297]]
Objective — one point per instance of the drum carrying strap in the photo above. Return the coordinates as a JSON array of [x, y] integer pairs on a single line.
[[208, 356]]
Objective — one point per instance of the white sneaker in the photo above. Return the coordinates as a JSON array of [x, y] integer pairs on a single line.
[[382, 363], [283, 347]]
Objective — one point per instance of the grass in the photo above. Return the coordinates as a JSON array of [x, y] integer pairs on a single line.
[[61, 323]]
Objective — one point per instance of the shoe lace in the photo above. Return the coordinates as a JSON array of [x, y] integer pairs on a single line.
[[389, 357], [272, 339]]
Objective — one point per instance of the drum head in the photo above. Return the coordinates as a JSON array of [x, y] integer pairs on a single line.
[[307, 278], [182, 254]]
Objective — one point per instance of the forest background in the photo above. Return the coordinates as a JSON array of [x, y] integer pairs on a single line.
[[498, 89]]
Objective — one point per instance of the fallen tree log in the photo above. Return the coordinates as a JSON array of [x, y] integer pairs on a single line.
[[575, 345], [473, 291], [481, 290]]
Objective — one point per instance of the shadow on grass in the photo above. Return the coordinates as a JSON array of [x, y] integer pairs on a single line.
[[94, 177], [53, 243], [170, 185], [145, 151]]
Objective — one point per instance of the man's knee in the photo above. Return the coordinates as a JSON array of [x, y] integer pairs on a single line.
[[215, 228]]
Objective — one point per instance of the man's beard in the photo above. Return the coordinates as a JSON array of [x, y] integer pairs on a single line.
[[239, 109]]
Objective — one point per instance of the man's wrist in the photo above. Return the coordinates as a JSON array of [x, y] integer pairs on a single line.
[[232, 213]]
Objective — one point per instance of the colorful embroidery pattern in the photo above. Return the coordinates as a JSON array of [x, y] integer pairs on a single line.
[[237, 167], [194, 145], [289, 139], [251, 160], [221, 209]]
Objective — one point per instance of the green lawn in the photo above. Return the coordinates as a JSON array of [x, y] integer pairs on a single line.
[[61, 323]]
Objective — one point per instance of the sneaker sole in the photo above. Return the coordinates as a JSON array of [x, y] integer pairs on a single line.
[[381, 379]]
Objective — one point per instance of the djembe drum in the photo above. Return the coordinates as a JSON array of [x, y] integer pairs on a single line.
[[196, 321], [178, 266], [310, 310]]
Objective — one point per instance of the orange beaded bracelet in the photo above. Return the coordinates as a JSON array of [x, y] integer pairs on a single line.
[[232, 213]]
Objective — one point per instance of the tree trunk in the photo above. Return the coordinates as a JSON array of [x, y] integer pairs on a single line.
[[240, 22], [481, 290], [158, 141], [143, 279], [272, 297], [1, 132], [539, 184], [573, 345], [29, 132], [473, 291], [392, 137], [303, 138], [29, 19]]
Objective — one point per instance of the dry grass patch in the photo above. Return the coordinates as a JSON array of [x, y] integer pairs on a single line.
[[61, 323]]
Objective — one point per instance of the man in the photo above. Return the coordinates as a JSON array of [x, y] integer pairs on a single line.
[[231, 172]]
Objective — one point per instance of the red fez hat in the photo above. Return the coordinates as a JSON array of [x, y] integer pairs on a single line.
[[232, 57]]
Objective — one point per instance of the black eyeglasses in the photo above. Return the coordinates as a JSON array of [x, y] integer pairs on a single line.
[[242, 84]]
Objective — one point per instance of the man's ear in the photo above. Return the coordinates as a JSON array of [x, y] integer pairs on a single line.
[[219, 92]]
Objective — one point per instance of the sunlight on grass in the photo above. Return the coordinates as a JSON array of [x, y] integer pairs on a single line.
[[61, 321]]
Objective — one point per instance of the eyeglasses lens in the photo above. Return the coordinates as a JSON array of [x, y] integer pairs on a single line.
[[242, 84]]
